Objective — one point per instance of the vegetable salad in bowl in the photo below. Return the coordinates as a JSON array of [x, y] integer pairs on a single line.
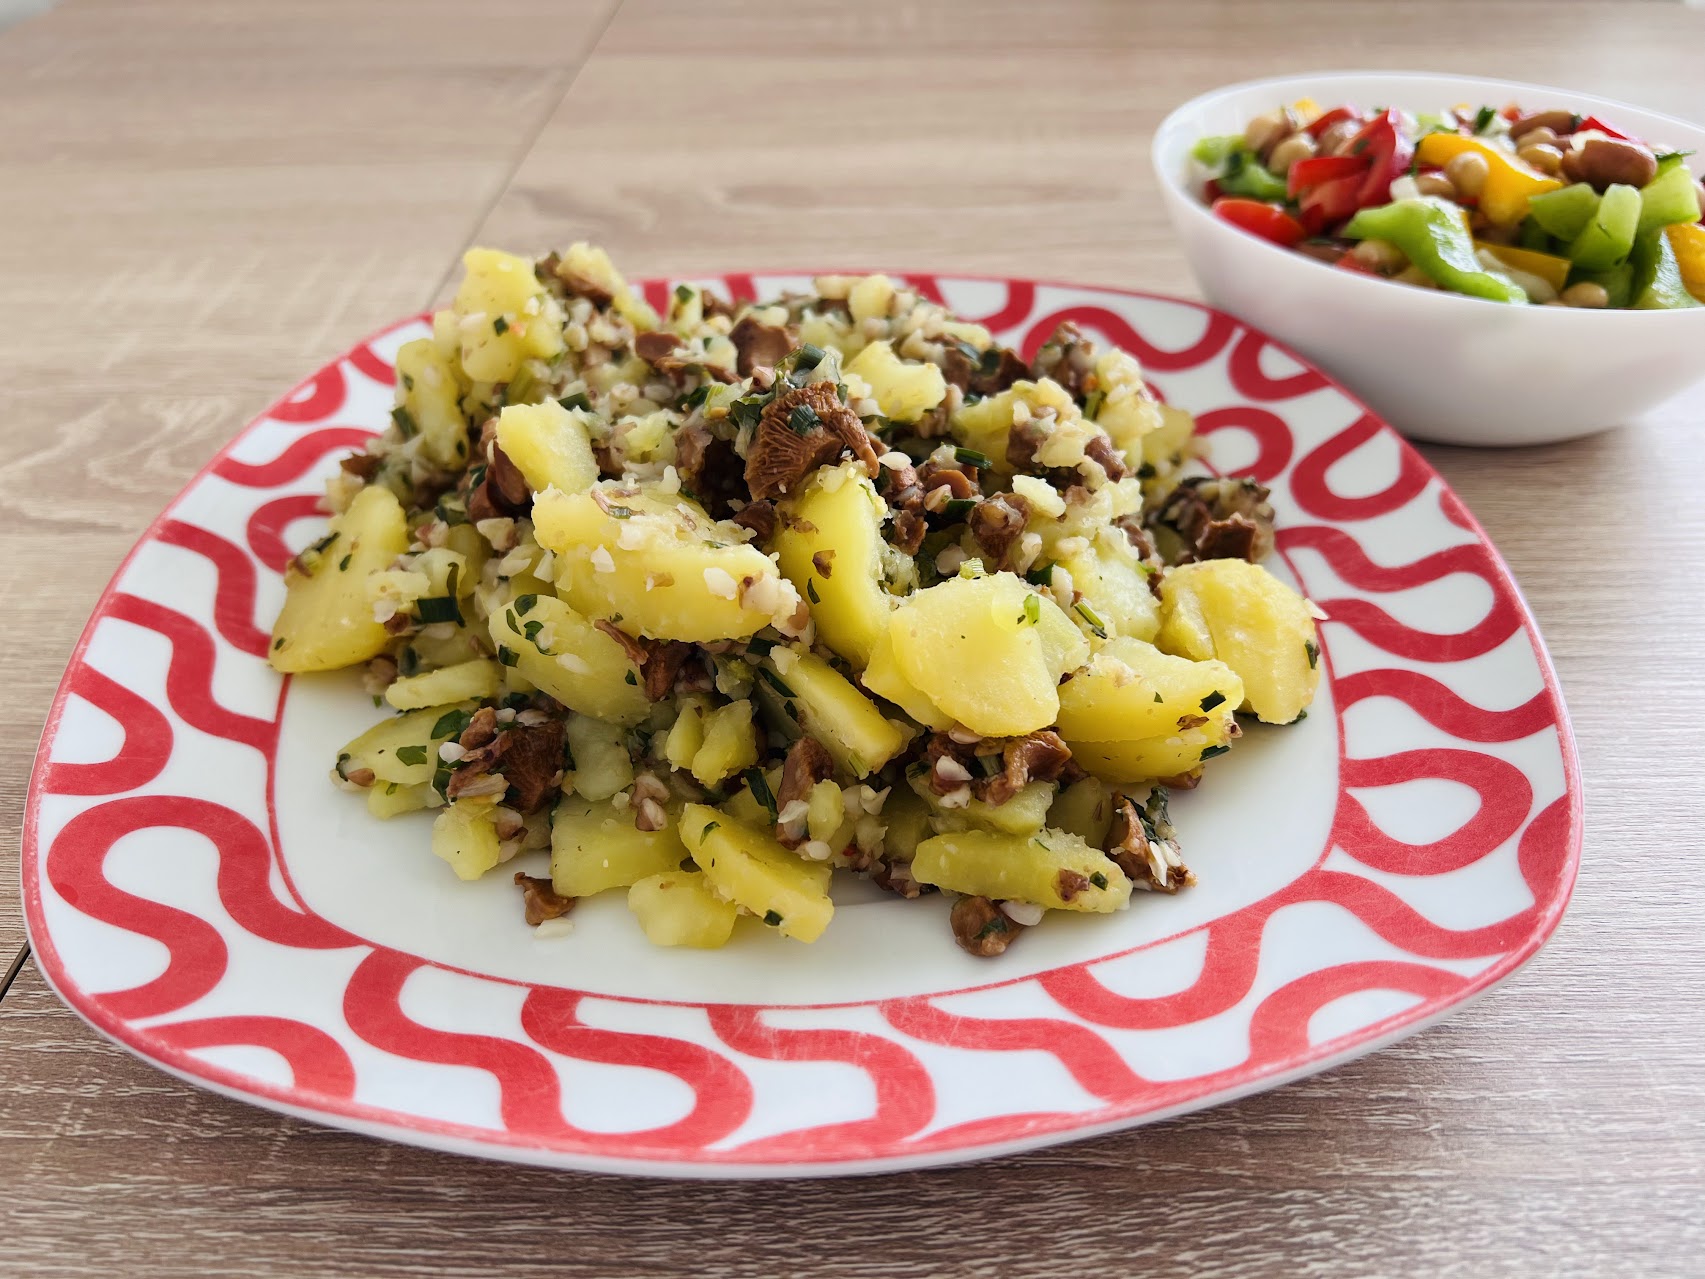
[[1505, 204], [717, 603]]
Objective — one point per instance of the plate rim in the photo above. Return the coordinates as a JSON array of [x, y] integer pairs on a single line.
[[1053, 1129]]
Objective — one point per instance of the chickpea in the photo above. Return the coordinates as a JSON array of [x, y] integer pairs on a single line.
[[1336, 138], [1468, 171], [1547, 159], [1299, 146], [1265, 132], [1585, 294], [1540, 137], [1435, 184], [1380, 255]]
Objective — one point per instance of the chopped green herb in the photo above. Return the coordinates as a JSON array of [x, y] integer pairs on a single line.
[[390, 788], [631, 678], [508, 656], [1032, 609], [1098, 879], [1041, 574], [524, 604], [343, 564], [759, 645], [500, 326], [958, 508], [1146, 471], [405, 422], [759, 785], [709, 826], [970, 457], [411, 754], [683, 293], [696, 397], [746, 412], [1158, 699], [452, 724], [408, 661], [809, 357], [1092, 619], [438, 608], [621, 512], [576, 401], [1313, 651], [997, 924], [802, 420], [772, 918], [408, 382], [990, 361], [1092, 403], [1212, 700], [774, 681], [1301, 715], [531, 629], [811, 591], [1484, 117], [278, 643], [1208, 752], [451, 579]]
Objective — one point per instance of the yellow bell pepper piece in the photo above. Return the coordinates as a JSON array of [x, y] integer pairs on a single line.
[[1688, 241], [1509, 184], [1306, 110], [1547, 266]]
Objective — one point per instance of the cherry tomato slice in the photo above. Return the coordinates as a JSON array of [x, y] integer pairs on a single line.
[[1268, 221]]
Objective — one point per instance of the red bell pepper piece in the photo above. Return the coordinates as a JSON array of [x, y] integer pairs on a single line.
[[1350, 262], [1326, 119], [1305, 175], [1268, 221], [1211, 190], [1388, 150], [1331, 203], [1593, 122]]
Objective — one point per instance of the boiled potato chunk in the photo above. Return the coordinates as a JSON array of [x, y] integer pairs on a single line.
[[465, 835], [686, 735], [430, 403], [588, 263], [601, 765], [829, 542], [908, 824], [1242, 615], [749, 868], [404, 749], [1125, 410], [1136, 713], [882, 677], [595, 846], [1050, 868], [386, 800], [326, 621], [833, 711], [1116, 589], [1024, 813], [989, 651], [985, 424], [549, 445], [730, 744], [659, 563], [478, 679], [1084, 809], [559, 651], [676, 908], [904, 391], [504, 317]]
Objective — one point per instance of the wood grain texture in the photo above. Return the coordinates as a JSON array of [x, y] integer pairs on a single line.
[[212, 233]]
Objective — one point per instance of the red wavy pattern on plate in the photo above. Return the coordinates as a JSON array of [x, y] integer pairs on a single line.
[[302, 456], [726, 1095], [374, 365], [234, 602], [265, 530], [318, 1063], [147, 740]]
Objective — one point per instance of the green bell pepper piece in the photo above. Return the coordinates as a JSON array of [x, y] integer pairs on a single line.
[[1566, 211], [1245, 175], [1617, 282], [1656, 284], [1431, 235], [1670, 160], [1535, 237], [1672, 196], [1213, 150], [1608, 235]]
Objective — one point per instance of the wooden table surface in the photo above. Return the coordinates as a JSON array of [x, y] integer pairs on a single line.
[[199, 202]]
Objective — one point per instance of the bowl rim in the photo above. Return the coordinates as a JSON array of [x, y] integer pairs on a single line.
[[1188, 204]]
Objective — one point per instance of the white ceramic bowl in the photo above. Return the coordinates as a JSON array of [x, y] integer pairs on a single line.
[[1437, 365]]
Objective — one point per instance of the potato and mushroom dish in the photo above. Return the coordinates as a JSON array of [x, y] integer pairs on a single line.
[[715, 603]]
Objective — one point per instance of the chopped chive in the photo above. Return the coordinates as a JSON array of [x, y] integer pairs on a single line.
[[1313, 651], [500, 326], [343, 564], [408, 661], [1032, 609], [508, 656], [809, 358], [1158, 699], [438, 608], [772, 918], [1483, 117], [759, 785], [1208, 752], [278, 643], [1041, 574], [997, 924], [958, 508], [576, 401], [1098, 879], [696, 397], [811, 591], [1092, 403], [411, 754], [1093, 619], [990, 361], [531, 629], [408, 382], [709, 826], [405, 422], [683, 293], [631, 678], [524, 604], [802, 420], [970, 457], [1212, 700], [774, 681]]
